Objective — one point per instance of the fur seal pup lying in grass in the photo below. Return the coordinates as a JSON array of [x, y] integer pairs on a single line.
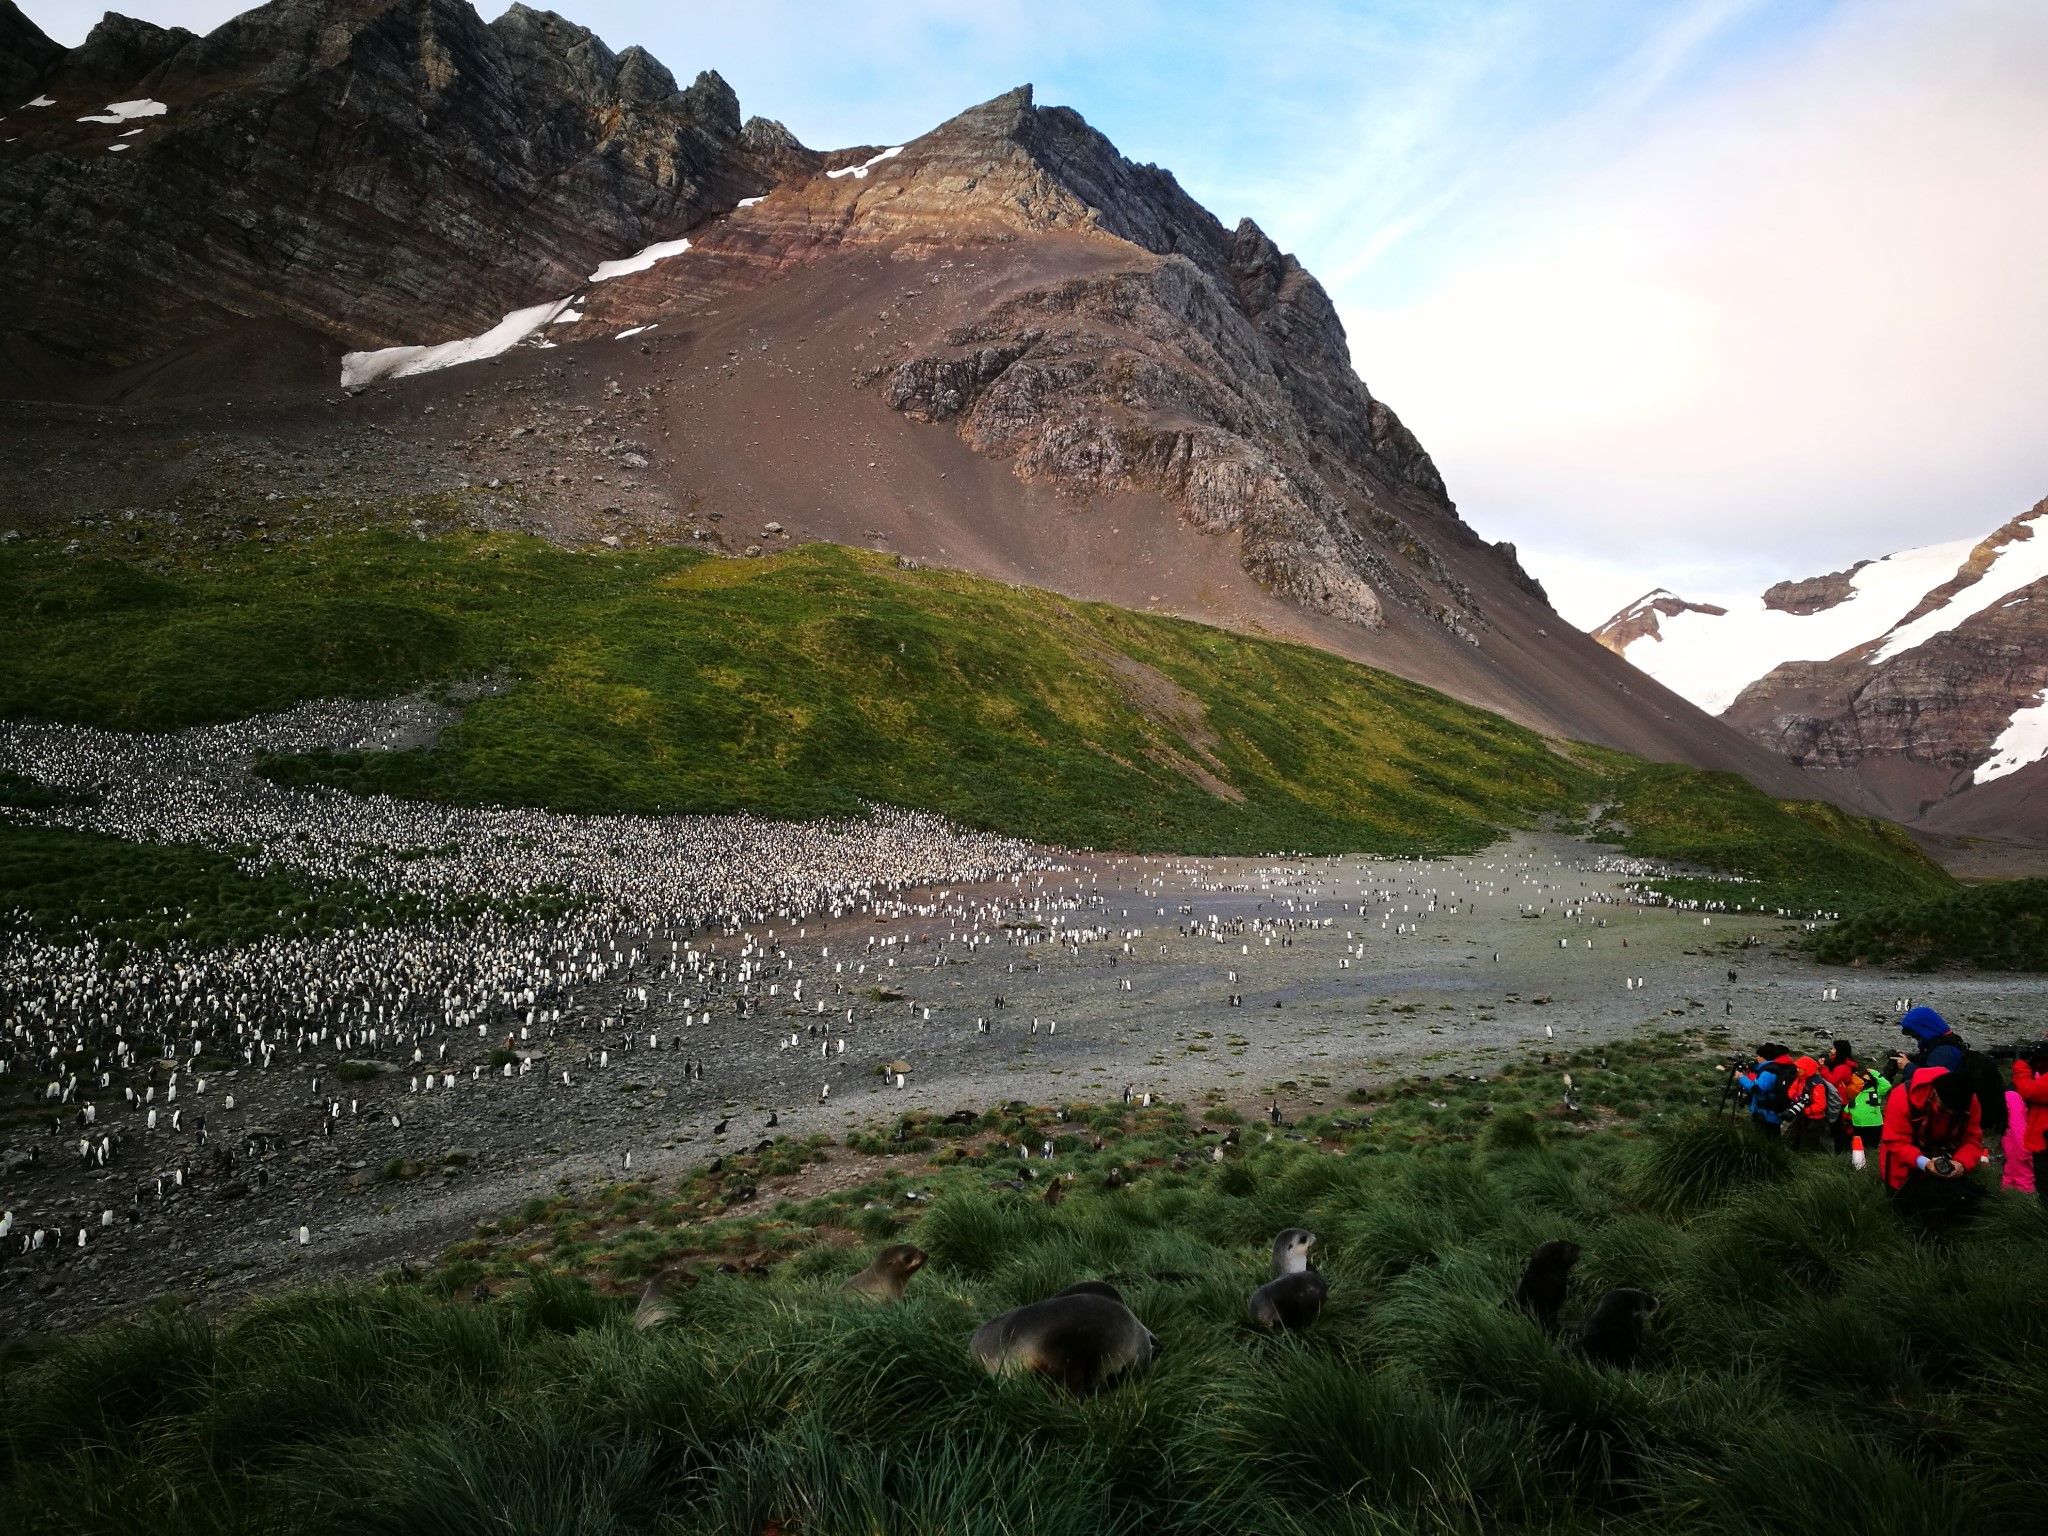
[[890, 1273], [1082, 1339], [1612, 1333], [1293, 1298], [655, 1307]]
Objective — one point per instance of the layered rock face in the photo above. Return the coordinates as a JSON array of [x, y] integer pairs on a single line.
[[373, 171], [1923, 719], [1919, 677], [1197, 363]]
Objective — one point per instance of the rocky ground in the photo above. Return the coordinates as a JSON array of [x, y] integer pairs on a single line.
[[1119, 973]]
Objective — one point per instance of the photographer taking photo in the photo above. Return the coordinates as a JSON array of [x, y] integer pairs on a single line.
[[1933, 1137]]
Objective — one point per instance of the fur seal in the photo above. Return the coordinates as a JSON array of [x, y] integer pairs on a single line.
[[1082, 1339], [1549, 1271], [1092, 1288], [655, 1308], [1612, 1333], [890, 1273], [1293, 1298]]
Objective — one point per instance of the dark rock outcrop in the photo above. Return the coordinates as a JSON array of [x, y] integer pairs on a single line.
[[1814, 594], [376, 171], [1638, 621], [25, 53]]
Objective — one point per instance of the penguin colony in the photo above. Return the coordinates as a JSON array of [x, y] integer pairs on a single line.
[[144, 1066]]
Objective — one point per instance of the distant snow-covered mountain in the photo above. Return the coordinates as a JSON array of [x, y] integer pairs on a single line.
[[1922, 674]]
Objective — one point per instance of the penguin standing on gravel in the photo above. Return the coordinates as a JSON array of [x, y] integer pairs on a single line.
[[1082, 1339], [1293, 1298]]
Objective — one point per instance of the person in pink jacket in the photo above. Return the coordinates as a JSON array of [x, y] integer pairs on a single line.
[[2019, 1162], [2030, 1086]]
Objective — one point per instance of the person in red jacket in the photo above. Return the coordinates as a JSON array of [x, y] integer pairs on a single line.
[[2030, 1082], [1933, 1137]]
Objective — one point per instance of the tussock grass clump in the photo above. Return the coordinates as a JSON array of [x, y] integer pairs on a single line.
[[2002, 927], [1702, 1164], [1801, 1325]]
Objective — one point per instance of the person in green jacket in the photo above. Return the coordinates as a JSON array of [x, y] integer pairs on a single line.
[[1866, 1109]]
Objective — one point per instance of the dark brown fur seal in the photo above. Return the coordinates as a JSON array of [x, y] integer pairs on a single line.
[[1082, 1339]]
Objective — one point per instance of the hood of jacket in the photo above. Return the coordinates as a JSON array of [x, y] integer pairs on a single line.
[[1924, 1025]]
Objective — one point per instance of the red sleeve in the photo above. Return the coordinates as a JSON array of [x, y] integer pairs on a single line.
[[2030, 1085], [1898, 1125], [1971, 1152]]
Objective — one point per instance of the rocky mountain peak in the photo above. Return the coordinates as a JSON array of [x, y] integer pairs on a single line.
[[1640, 620], [369, 171]]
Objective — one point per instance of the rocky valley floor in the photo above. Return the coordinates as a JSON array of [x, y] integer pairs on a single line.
[[1250, 982]]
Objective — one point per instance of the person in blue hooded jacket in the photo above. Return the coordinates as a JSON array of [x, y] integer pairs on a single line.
[[1940, 1046], [1766, 1086]]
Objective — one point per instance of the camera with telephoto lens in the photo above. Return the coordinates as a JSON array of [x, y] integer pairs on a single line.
[[1941, 1167], [2033, 1052]]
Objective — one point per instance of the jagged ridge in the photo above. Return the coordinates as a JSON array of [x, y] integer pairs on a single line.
[[375, 170]]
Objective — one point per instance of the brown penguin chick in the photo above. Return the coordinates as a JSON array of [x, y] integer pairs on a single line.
[[1548, 1273], [1057, 1192], [1612, 1333], [1080, 1339], [1293, 1298], [890, 1273]]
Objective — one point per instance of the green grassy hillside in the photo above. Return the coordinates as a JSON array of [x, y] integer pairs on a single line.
[[2001, 927], [801, 685], [1808, 1347], [813, 682], [1801, 855]]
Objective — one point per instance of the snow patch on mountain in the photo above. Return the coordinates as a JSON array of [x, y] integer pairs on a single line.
[[639, 261], [2023, 741], [2017, 564], [860, 172], [122, 111], [1709, 658], [360, 368]]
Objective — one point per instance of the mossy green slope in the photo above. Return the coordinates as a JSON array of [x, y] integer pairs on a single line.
[[820, 680], [801, 685], [1801, 855]]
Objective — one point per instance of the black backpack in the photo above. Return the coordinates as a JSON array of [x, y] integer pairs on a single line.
[[1983, 1076]]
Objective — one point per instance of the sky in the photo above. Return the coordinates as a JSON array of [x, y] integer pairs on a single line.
[[1687, 293]]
